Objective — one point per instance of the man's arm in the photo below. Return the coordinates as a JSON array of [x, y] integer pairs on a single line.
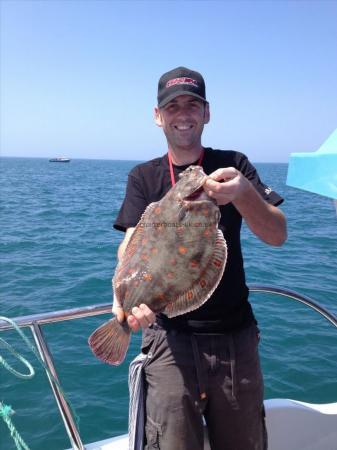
[[141, 316], [266, 221]]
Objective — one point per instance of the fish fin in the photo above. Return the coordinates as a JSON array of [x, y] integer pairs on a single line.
[[204, 287], [110, 342]]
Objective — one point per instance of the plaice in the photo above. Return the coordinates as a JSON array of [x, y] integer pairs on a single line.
[[173, 262]]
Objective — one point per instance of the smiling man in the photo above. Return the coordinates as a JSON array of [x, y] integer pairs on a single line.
[[204, 363]]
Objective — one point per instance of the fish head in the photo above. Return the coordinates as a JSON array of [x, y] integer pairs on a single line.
[[191, 181], [190, 197]]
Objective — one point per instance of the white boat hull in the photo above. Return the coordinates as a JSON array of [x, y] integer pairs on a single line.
[[292, 425]]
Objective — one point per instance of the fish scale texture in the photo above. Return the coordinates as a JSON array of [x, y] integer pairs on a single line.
[[175, 252]]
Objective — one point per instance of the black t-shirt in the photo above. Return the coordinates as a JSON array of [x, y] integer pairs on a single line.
[[150, 181]]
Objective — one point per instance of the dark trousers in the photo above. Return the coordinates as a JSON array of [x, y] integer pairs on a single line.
[[215, 376]]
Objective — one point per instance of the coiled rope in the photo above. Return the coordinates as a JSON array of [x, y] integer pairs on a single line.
[[5, 410]]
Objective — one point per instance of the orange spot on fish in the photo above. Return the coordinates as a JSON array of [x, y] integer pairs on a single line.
[[182, 250], [160, 297], [206, 233], [147, 277], [144, 257], [189, 295], [154, 251], [217, 263], [170, 275], [202, 283], [194, 263], [144, 241], [157, 210]]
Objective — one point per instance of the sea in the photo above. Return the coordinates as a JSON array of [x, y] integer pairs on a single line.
[[58, 251]]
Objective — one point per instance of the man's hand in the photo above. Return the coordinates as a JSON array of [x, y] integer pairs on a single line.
[[226, 185], [141, 317]]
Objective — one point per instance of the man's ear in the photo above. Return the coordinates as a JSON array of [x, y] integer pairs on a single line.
[[207, 114], [157, 117]]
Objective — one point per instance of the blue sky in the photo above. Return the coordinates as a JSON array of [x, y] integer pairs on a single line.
[[79, 78]]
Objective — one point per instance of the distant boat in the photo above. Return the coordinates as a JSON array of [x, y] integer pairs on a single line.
[[60, 159]]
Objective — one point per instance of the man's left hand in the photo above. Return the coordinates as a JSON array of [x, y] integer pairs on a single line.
[[226, 185]]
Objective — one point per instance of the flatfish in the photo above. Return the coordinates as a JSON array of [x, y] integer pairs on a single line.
[[173, 262]]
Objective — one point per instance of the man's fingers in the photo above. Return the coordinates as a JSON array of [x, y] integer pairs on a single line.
[[221, 181], [224, 174], [142, 317], [148, 313], [212, 185], [133, 323]]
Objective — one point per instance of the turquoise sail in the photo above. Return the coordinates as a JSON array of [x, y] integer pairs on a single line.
[[317, 171]]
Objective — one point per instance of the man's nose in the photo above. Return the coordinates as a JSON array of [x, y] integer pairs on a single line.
[[183, 111]]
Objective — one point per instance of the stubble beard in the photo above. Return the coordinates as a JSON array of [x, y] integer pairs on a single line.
[[184, 144]]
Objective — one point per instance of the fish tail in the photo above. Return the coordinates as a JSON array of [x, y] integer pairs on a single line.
[[110, 341]]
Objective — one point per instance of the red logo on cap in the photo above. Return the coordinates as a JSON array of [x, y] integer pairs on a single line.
[[182, 80]]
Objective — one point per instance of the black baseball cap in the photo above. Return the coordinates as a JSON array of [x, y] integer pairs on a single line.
[[180, 81]]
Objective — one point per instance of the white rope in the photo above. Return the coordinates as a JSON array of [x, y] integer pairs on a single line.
[[5, 410]]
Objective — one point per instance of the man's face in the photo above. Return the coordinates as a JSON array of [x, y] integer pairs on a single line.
[[182, 121]]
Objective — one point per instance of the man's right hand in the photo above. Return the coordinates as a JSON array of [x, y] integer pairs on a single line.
[[141, 317]]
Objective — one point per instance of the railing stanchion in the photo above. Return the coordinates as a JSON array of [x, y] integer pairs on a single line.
[[65, 411]]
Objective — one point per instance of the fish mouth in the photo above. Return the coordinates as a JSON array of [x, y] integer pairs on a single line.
[[198, 194]]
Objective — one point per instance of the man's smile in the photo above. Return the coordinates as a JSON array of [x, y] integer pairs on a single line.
[[183, 127]]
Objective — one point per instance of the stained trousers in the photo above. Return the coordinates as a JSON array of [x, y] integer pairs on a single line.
[[194, 377]]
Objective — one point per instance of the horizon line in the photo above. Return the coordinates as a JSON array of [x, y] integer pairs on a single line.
[[117, 159]]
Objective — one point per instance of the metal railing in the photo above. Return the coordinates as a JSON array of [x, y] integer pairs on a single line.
[[35, 321], [298, 297]]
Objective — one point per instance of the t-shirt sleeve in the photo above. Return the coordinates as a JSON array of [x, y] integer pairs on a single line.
[[133, 206], [249, 171]]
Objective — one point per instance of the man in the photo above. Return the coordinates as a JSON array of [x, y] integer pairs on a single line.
[[204, 363]]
